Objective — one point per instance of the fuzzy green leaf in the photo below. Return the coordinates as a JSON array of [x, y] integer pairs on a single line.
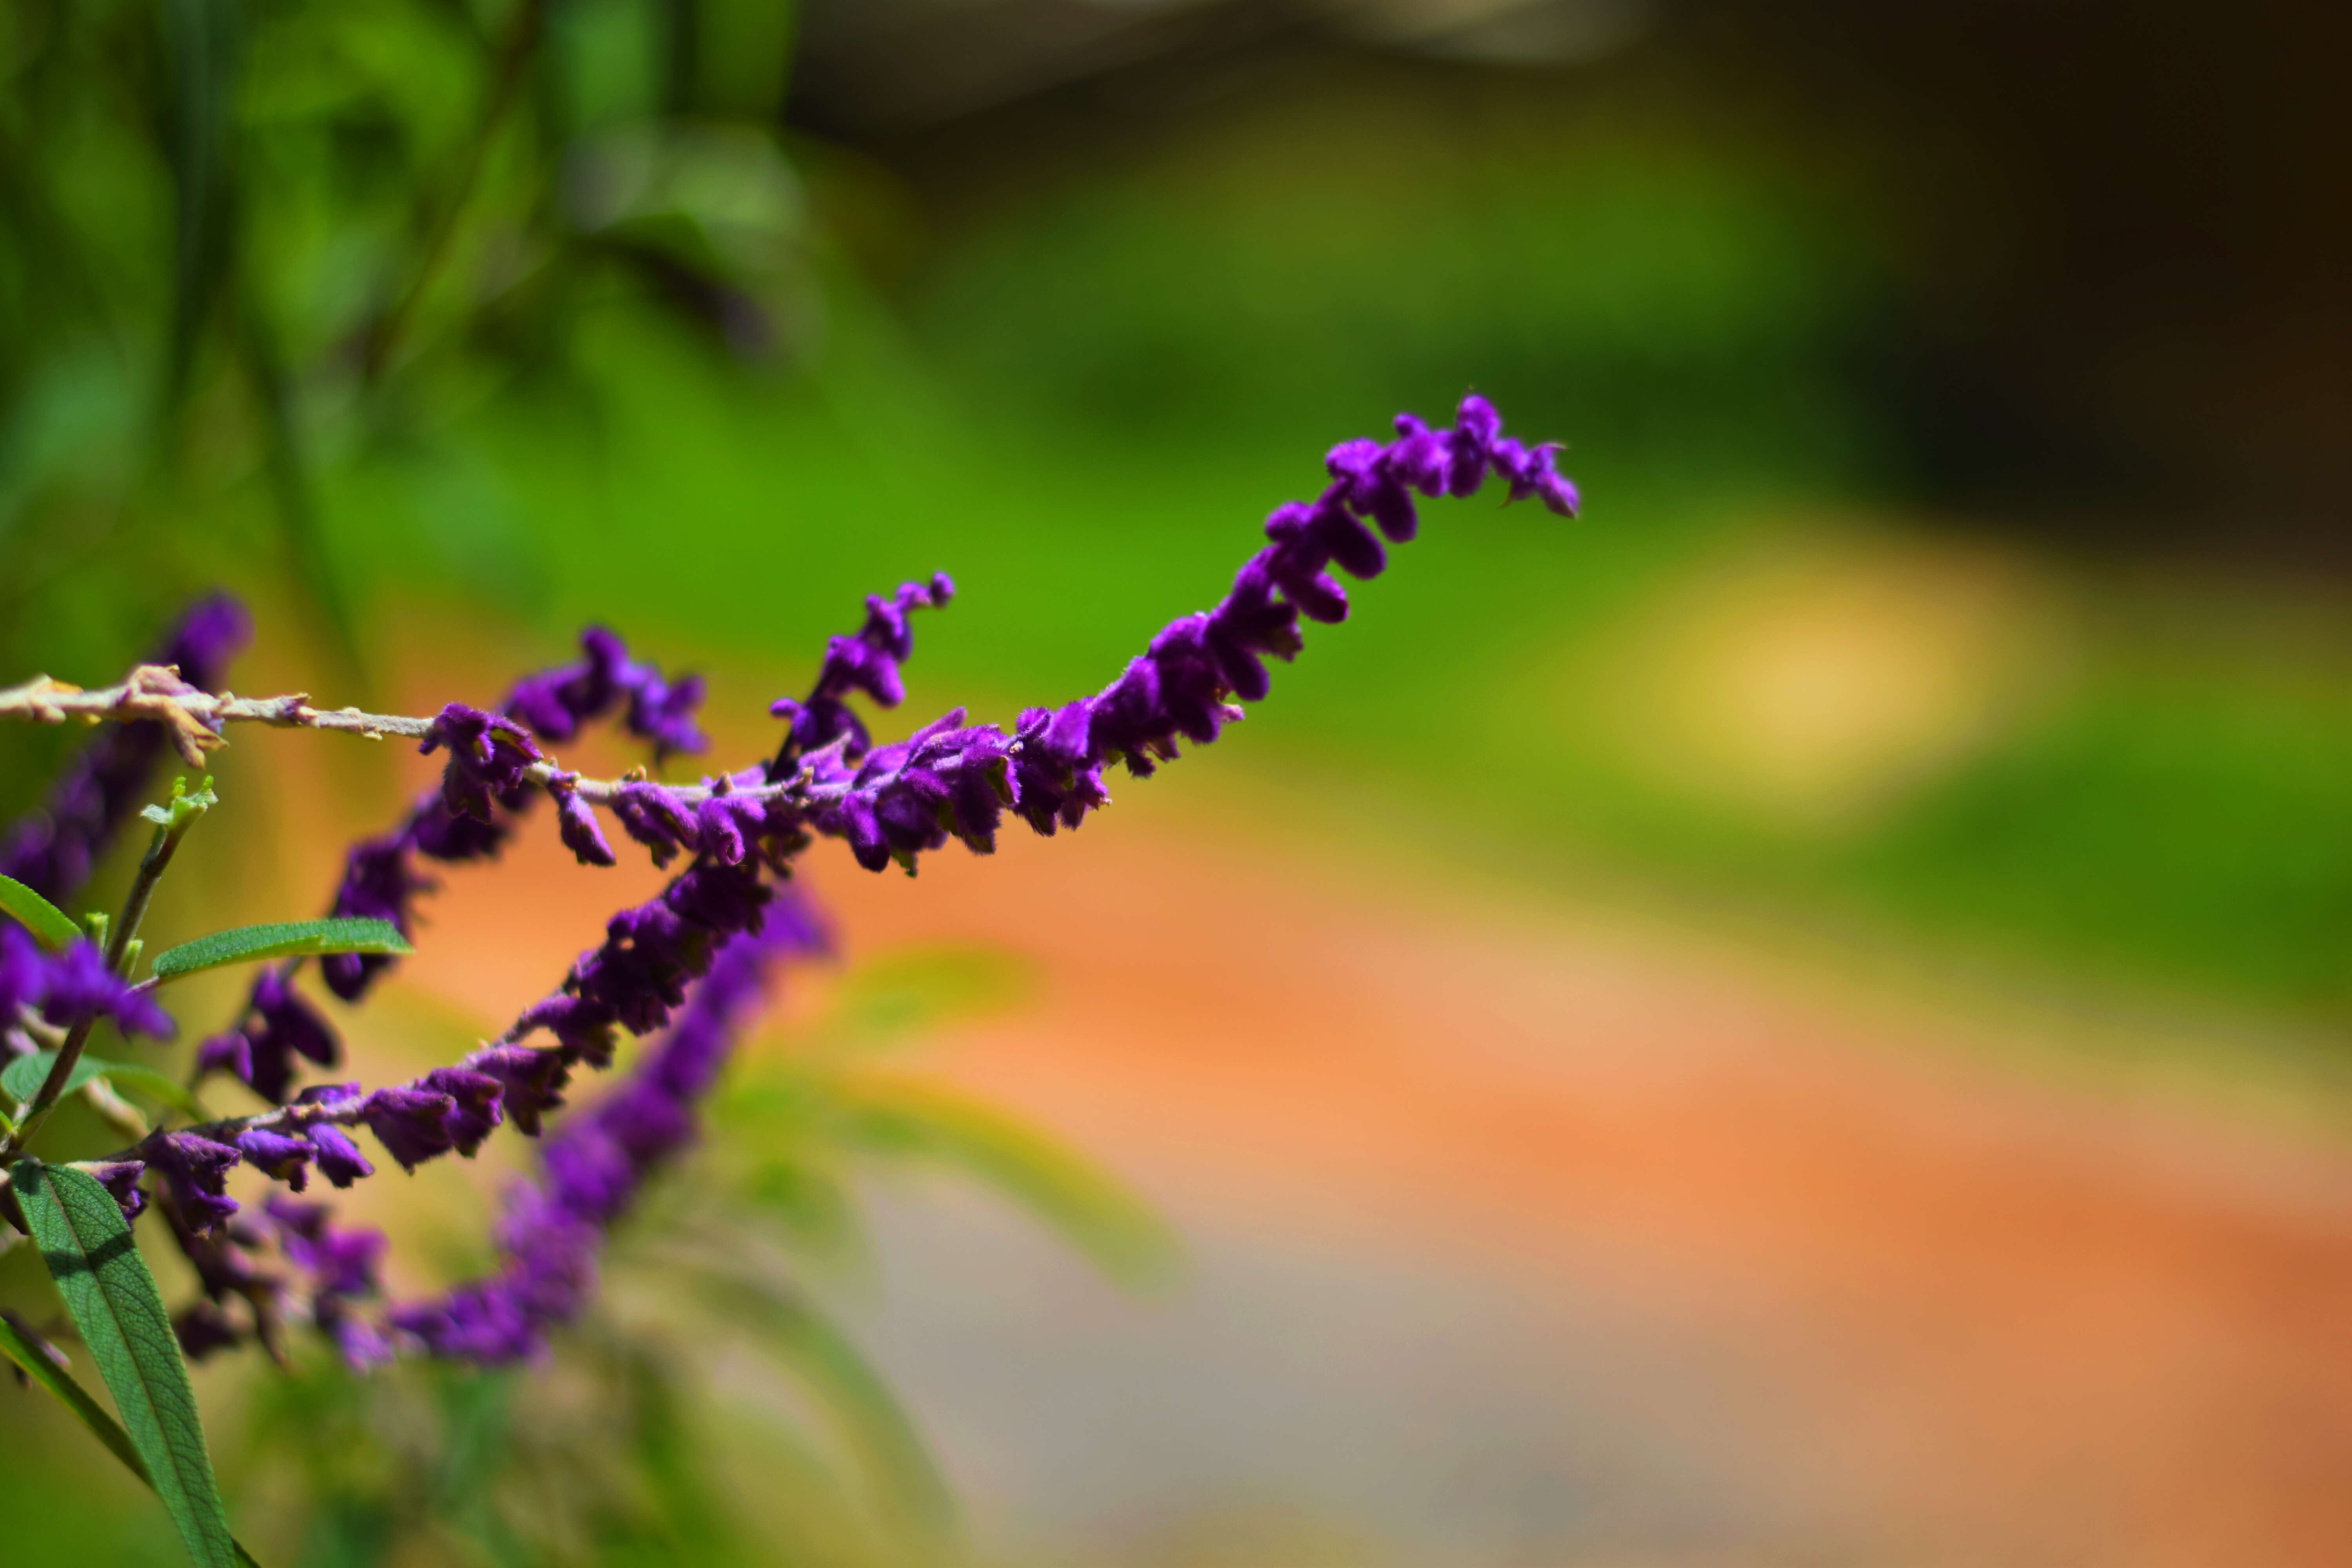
[[53, 927], [106, 1286], [290, 939]]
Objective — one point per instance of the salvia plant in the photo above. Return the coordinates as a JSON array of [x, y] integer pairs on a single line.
[[684, 971]]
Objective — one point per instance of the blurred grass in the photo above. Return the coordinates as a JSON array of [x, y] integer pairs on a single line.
[[1080, 398], [1083, 403]]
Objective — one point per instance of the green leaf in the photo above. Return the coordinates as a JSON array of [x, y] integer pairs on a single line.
[[155, 1086], [53, 927], [24, 1076], [867, 1418], [290, 939], [115, 1302], [92, 1414]]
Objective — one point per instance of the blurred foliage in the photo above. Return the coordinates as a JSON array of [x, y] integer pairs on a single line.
[[708, 1409], [248, 243]]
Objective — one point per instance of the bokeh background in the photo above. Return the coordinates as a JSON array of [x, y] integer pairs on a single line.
[[1799, 1018]]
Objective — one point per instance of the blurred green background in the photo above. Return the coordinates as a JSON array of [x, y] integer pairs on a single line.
[[1957, 391]]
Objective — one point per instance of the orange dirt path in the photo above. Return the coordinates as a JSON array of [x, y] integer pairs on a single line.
[[2013, 1322], [1993, 1318]]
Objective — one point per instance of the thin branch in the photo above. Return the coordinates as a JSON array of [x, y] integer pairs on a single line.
[[156, 693]]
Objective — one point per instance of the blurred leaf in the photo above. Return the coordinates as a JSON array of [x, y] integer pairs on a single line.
[[865, 1415], [106, 1286], [26, 1075], [812, 1204], [1091, 1208], [37, 1365], [740, 50], [290, 939], [915, 991], [51, 924]]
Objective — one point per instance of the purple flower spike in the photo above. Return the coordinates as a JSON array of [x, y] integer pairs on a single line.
[[595, 1164], [893, 803], [658, 819], [276, 1156], [866, 661], [196, 1169], [340, 1160]]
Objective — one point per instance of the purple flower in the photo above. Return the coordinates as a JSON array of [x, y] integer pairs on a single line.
[[576, 824], [594, 1166], [411, 1123], [453, 837], [204, 1329], [23, 970], [487, 757], [664, 714], [79, 984], [475, 1105], [230, 1053], [656, 818], [531, 1082], [120, 1179], [866, 661], [284, 1028], [340, 1160], [555, 703], [280, 1158], [380, 882], [905, 801], [196, 1169], [339, 1262]]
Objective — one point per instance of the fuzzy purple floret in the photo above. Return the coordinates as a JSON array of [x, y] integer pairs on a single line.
[[66, 987]]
